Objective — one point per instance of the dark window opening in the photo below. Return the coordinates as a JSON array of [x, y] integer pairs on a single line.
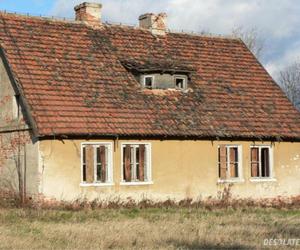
[[84, 164], [234, 162], [148, 82], [179, 83], [265, 166], [99, 167]]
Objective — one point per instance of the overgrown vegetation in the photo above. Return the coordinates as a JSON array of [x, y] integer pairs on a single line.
[[214, 223], [223, 200], [151, 228]]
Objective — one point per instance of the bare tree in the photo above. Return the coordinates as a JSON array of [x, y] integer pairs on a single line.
[[13, 141], [289, 81], [13, 152], [252, 38]]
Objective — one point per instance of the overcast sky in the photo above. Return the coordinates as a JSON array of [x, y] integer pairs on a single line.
[[278, 21]]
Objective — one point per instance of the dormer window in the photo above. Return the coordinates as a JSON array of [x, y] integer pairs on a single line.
[[164, 81], [160, 74], [180, 82], [148, 81]]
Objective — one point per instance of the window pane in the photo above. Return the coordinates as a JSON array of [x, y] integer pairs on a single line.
[[148, 82], [127, 159], [233, 162], [123, 161], [98, 164], [83, 164], [83, 155], [99, 172], [265, 164], [98, 155], [145, 164], [179, 83], [219, 162], [137, 162], [132, 166]]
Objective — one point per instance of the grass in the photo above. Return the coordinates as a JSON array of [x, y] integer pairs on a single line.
[[151, 228]]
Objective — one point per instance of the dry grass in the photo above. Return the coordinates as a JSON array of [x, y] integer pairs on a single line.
[[151, 228]]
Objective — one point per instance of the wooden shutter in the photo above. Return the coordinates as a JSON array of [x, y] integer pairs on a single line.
[[142, 162], [103, 163], [89, 154], [127, 161], [233, 162], [254, 162], [222, 157]]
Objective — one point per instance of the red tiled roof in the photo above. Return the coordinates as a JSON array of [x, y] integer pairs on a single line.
[[75, 82]]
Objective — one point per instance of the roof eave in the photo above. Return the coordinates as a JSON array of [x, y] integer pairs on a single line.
[[89, 136]]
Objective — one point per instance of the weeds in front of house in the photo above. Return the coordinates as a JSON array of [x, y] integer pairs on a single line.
[[149, 228], [223, 200], [114, 223]]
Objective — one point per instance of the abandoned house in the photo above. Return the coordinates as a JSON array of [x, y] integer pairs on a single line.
[[91, 109]]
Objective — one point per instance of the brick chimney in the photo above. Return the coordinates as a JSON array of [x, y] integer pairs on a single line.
[[157, 24], [88, 12]]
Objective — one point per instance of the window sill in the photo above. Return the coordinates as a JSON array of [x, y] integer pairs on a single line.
[[267, 179], [231, 181], [96, 184], [136, 183]]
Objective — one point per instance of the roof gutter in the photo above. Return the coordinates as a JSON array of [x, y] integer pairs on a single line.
[[91, 136]]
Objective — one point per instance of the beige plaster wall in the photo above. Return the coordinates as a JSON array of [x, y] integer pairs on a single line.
[[180, 169]]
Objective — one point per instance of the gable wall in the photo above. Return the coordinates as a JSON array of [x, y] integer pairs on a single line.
[[15, 146], [180, 169]]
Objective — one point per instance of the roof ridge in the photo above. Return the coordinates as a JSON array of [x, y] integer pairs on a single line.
[[40, 17], [171, 31], [112, 24]]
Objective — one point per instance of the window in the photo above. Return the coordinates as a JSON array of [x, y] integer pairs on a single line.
[[180, 82], [16, 107], [229, 162], [136, 163], [96, 163], [261, 162], [149, 82]]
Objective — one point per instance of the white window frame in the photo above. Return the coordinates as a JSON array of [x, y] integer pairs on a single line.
[[109, 171], [144, 81], [240, 165], [184, 81], [271, 164], [148, 164]]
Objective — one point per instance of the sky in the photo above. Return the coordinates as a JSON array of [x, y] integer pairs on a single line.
[[277, 21]]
